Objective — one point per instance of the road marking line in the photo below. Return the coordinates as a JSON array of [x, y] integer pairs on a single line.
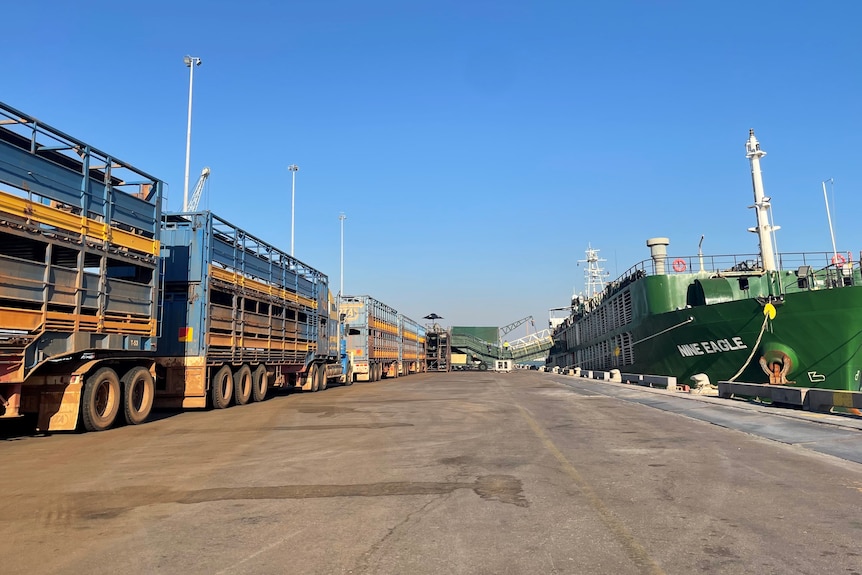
[[636, 552], [260, 551]]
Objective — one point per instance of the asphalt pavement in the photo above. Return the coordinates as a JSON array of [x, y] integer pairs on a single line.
[[439, 473]]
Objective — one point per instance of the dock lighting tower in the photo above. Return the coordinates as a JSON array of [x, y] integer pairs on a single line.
[[191, 62], [293, 168], [342, 217]]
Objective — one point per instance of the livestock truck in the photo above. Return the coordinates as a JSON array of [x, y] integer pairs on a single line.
[[240, 315], [79, 279], [412, 349], [379, 341], [95, 326]]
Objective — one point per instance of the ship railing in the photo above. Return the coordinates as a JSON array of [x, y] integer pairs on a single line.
[[811, 271], [828, 268]]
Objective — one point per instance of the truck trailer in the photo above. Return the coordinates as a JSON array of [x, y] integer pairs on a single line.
[[108, 307], [240, 315], [412, 356], [79, 279], [380, 341]]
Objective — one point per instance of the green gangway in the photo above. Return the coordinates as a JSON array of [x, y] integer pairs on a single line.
[[533, 346]]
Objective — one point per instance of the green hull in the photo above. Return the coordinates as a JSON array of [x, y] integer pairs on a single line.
[[714, 323]]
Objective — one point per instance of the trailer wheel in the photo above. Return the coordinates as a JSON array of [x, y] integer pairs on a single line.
[[311, 377], [259, 383], [242, 385], [349, 378], [138, 392], [221, 388], [321, 374], [101, 401]]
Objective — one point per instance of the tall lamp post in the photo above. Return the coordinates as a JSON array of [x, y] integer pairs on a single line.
[[342, 217], [293, 168], [191, 62], [342, 350]]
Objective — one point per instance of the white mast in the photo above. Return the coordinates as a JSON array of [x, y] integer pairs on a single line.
[[829, 217], [594, 273], [761, 204]]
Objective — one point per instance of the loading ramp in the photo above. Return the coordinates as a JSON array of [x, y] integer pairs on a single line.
[[480, 351]]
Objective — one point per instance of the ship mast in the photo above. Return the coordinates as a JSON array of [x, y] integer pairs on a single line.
[[594, 273], [764, 229]]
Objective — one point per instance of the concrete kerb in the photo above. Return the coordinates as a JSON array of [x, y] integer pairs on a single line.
[[615, 376], [786, 393], [809, 399]]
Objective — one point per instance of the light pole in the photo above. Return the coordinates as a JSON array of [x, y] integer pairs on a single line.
[[191, 62], [342, 217], [342, 344], [293, 168]]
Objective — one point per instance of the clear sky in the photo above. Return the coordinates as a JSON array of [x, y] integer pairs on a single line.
[[476, 147]]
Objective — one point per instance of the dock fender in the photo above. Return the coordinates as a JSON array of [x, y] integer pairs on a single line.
[[778, 361]]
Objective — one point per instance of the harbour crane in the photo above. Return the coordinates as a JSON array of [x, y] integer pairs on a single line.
[[199, 188], [506, 329]]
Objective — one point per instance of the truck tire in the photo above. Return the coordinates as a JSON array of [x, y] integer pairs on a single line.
[[311, 377], [101, 400], [321, 370], [242, 385], [259, 383], [348, 378], [138, 392], [221, 388]]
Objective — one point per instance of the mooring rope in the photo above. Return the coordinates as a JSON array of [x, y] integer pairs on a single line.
[[753, 349], [680, 324]]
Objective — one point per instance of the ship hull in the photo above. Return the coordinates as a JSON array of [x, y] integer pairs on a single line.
[[814, 339], [818, 332]]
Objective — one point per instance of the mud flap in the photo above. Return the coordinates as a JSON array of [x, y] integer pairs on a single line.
[[59, 407]]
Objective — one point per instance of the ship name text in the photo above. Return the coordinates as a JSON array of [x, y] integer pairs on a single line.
[[716, 346]]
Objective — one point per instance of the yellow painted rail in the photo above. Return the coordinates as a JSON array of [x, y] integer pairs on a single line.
[[79, 224], [258, 286], [34, 322]]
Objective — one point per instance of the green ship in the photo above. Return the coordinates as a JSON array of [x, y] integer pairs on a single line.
[[787, 319]]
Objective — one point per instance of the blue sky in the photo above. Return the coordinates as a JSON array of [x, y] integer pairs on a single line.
[[476, 147]]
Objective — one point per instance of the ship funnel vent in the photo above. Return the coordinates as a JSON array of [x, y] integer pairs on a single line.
[[658, 252]]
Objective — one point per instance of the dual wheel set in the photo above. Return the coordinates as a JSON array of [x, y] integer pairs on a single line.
[[239, 385], [316, 378], [375, 372], [106, 392]]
